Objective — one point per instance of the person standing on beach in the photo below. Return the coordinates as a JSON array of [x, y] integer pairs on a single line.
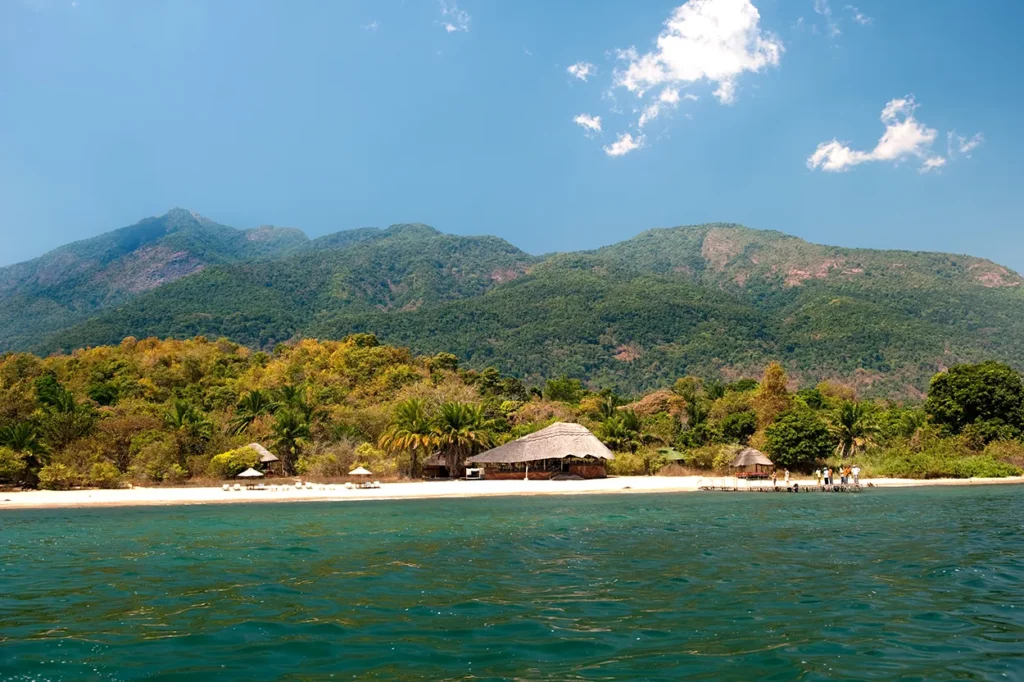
[[828, 476], [775, 478], [856, 474], [817, 476], [785, 477]]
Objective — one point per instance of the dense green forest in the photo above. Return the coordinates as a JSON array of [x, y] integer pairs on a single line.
[[718, 301], [162, 412]]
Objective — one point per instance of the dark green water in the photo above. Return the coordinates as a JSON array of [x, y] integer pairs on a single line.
[[921, 584]]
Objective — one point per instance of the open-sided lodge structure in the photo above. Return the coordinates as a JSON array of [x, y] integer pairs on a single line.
[[561, 449]]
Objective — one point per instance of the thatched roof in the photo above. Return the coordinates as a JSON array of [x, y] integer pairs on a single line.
[[435, 460], [557, 441], [749, 457], [265, 455]]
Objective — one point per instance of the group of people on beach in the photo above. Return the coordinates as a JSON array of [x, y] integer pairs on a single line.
[[848, 475]]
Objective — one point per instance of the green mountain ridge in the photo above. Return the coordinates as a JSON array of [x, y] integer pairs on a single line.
[[715, 300]]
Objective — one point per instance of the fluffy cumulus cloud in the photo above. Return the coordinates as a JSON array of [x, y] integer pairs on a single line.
[[581, 70], [716, 40], [857, 15], [589, 123], [624, 145], [904, 138], [453, 18]]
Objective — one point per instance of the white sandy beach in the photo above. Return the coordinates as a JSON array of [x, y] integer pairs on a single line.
[[400, 491]]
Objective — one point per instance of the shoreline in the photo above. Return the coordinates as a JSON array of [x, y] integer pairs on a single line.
[[413, 490]]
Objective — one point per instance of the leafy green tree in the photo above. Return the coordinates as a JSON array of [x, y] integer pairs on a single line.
[[853, 426], [738, 427], [460, 431], [564, 389], [411, 431], [798, 439], [989, 395], [251, 407]]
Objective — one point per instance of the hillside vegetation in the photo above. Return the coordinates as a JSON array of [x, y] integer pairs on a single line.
[[717, 301], [150, 411]]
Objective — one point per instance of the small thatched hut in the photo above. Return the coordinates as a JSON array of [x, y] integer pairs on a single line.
[[560, 449], [751, 462], [436, 466], [267, 458]]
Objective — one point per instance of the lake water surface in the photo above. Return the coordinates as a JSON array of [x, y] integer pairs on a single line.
[[924, 584]]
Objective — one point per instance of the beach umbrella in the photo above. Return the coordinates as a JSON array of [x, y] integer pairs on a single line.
[[250, 473], [359, 472]]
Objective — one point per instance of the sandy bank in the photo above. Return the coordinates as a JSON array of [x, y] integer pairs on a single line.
[[41, 499]]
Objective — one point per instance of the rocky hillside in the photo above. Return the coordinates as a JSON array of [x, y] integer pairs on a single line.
[[715, 300]]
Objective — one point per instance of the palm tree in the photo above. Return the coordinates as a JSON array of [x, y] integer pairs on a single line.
[[623, 431], [460, 431], [250, 407], [191, 427], [293, 396], [24, 438], [411, 430], [853, 427], [291, 430]]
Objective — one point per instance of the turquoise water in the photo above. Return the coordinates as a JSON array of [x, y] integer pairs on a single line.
[[923, 584]]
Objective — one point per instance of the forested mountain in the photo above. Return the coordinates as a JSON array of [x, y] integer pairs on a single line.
[[710, 300], [69, 284]]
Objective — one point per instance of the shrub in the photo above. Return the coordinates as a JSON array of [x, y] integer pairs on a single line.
[[104, 475], [175, 473], [57, 477], [12, 466], [230, 464]]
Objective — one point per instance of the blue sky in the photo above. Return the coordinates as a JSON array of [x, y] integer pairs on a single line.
[[334, 115]]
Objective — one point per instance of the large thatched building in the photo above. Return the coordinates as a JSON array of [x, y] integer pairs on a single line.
[[560, 449]]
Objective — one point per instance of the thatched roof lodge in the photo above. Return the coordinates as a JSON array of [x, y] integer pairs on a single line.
[[562, 449], [751, 461]]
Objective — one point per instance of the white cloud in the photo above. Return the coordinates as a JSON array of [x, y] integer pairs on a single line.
[[690, 96], [670, 96], [904, 137], [372, 26], [624, 145], [456, 19], [649, 114], [717, 40], [958, 144], [932, 163], [582, 70], [588, 122], [858, 16], [832, 26]]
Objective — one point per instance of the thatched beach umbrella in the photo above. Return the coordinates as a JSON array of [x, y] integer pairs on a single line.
[[360, 471], [250, 473]]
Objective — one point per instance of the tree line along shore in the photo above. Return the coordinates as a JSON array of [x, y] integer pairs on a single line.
[[163, 412]]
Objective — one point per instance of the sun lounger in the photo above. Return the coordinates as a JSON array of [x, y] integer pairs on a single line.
[[227, 486], [298, 485], [237, 487]]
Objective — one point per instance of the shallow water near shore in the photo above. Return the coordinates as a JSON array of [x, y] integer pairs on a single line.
[[920, 583]]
